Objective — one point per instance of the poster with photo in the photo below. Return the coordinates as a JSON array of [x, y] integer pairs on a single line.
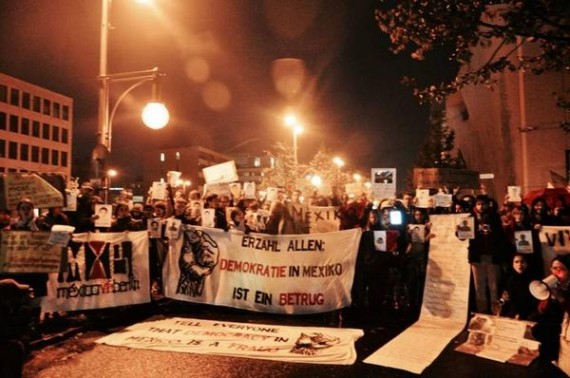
[[208, 218], [158, 190], [442, 200], [272, 194], [104, 215], [514, 193], [417, 233], [173, 228], [383, 182], [154, 227], [380, 241], [466, 228], [249, 190], [523, 241], [423, 198]]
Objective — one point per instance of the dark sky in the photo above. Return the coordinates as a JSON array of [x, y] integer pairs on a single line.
[[350, 98]]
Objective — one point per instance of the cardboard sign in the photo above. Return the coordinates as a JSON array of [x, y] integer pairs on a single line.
[[221, 173]]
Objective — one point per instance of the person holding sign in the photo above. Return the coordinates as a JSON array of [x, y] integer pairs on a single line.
[[518, 223], [487, 251]]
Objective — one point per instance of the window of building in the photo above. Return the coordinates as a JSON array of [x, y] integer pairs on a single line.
[[37, 104], [63, 159], [12, 170], [257, 162], [55, 133], [64, 135], [15, 97], [25, 126], [45, 131], [35, 154], [13, 150], [14, 120], [3, 93], [2, 148], [56, 110], [47, 106], [26, 100], [65, 113], [45, 155], [36, 129], [24, 152], [2, 121], [54, 157]]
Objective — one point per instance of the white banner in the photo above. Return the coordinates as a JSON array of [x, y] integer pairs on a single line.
[[103, 270], [315, 345], [291, 274], [555, 240], [322, 219], [444, 308]]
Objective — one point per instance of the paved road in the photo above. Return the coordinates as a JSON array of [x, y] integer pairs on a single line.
[[80, 357]]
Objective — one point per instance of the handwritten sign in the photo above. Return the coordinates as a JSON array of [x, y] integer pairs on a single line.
[[32, 186], [221, 173], [28, 252]]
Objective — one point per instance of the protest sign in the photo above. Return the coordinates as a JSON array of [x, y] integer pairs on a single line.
[[444, 307], [523, 241], [28, 252], [158, 191], [60, 235], [104, 215], [465, 227], [554, 240], [102, 270], [442, 200], [221, 173], [288, 274], [383, 182], [317, 345], [500, 339], [28, 185], [323, 219], [423, 198], [514, 193]]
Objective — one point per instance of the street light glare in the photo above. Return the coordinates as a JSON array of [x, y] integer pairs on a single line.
[[155, 115], [112, 173], [298, 129], [338, 161], [145, 2], [290, 120]]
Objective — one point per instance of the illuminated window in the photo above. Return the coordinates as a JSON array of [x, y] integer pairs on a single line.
[[257, 162]]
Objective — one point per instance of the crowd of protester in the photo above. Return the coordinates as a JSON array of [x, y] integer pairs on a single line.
[[391, 281]]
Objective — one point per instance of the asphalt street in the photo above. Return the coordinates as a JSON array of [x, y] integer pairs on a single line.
[[75, 354]]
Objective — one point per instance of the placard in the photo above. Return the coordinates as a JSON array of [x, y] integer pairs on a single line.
[[221, 173], [28, 252]]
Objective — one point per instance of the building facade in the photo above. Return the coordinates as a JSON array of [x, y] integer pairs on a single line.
[[188, 160], [512, 133], [36, 132]]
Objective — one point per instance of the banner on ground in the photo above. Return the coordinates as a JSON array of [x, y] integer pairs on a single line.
[[500, 339], [444, 308], [291, 274], [554, 240], [100, 270], [317, 345], [28, 252]]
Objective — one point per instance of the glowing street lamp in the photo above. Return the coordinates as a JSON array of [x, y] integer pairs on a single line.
[[155, 114], [292, 121], [339, 164]]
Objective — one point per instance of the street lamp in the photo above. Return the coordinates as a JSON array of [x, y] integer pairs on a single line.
[[155, 115], [292, 121], [339, 164]]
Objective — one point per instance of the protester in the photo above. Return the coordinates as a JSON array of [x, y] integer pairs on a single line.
[[516, 300], [553, 310], [487, 252]]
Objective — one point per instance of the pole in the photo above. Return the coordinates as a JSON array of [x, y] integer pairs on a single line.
[[523, 120], [295, 161]]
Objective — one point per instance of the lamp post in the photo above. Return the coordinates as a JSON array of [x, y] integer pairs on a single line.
[[291, 121], [339, 164], [155, 115]]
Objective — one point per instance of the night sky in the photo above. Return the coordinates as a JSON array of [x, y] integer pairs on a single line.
[[220, 58]]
